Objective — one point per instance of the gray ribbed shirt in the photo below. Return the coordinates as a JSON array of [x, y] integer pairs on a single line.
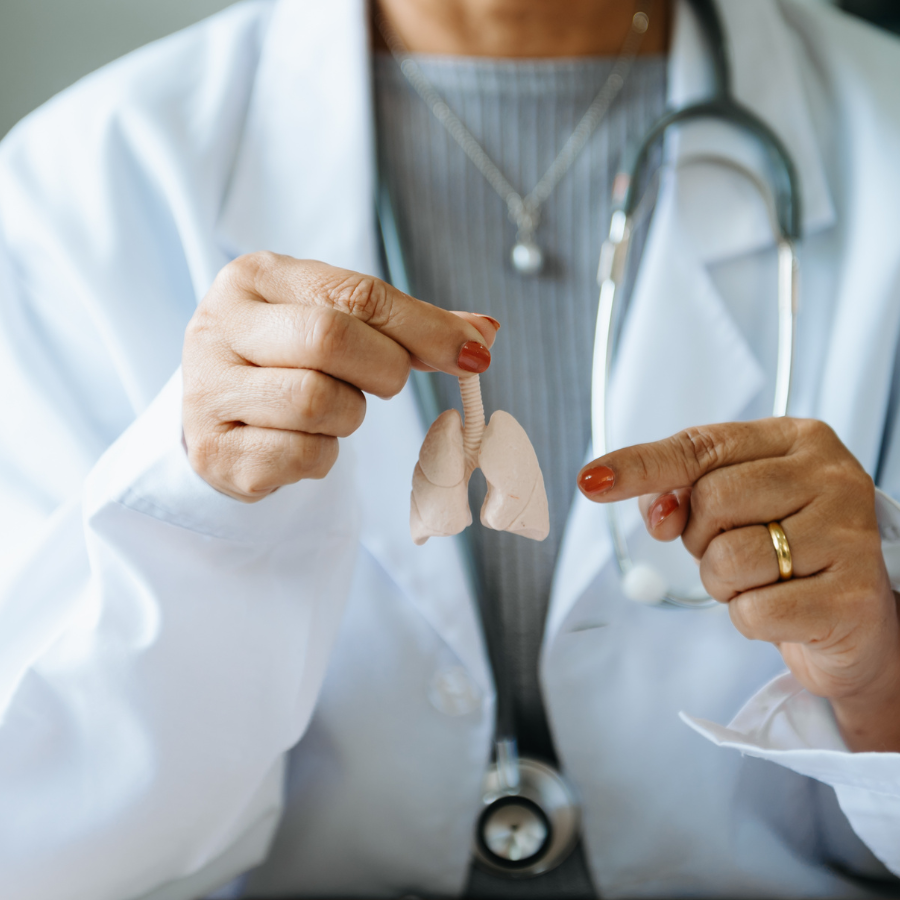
[[456, 239]]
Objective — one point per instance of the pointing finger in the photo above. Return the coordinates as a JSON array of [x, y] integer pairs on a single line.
[[680, 460]]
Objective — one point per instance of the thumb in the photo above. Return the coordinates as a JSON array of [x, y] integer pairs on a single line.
[[488, 326]]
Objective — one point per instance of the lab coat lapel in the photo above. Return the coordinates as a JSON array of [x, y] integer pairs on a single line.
[[682, 359], [303, 185], [304, 174], [720, 209]]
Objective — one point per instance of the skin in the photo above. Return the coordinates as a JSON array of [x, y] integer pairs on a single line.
[[836, 621], [521, 28], [280, 353]]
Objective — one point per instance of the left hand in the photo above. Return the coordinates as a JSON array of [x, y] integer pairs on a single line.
[[836, 620]]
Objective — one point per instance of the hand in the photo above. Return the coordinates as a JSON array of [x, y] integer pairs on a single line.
[[836, 621], [279, 353]]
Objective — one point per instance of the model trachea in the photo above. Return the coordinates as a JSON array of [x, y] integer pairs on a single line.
[[516, 500]]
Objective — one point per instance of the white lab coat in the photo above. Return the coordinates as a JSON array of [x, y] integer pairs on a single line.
[[190, 686]]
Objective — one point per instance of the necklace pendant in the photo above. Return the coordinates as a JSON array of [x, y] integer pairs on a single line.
[[527, 257]]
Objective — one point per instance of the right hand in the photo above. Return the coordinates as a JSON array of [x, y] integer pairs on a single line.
[[278, 355]]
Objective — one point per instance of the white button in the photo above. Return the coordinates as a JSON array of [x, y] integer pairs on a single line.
[[453, 692]]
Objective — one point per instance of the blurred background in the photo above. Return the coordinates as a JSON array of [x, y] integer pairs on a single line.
[[45, 45]]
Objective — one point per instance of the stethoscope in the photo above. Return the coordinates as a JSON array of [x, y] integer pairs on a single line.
[[640, 581], [529, 820]]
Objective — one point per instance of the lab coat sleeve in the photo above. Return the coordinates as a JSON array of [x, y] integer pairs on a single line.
[[161, 648], [785, 724]]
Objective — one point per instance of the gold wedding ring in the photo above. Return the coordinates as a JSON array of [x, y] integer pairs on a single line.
[[782, 551]]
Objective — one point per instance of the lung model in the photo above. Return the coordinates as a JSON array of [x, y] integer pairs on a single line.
[[516, 500]]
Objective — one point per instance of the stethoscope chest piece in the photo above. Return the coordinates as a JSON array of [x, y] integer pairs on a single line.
[[527, 829]]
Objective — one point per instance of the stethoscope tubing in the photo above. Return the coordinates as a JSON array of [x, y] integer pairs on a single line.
[[611, 272]]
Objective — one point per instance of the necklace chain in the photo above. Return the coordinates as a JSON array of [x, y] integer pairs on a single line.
[[525, 211]]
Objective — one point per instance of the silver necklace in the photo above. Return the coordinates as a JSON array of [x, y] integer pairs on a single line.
[[527, 257]]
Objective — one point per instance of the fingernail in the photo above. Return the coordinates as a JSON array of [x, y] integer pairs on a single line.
[[473, 357], [490, 319], [596, 480], [662, 508]]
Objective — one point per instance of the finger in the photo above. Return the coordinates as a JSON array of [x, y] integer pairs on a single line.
[[323, 339], [419, 366], [803, 610], [743, 559], [684, 458], [488, 326], [249, 463], [437, 337], [739, 561], [290, 400], [766, 490], [665, 515]]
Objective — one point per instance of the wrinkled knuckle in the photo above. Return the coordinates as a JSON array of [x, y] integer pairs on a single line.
[[253, 481], [259, 265], [197, 381], [714, 585], [862, 481], [253, 272], [700, 449], [723, 561], [326, 458], [746, 617], [705, 499], [397, 376], [359, 413], [711, 504], [194, 401], [313, 457], [364, 297], [644, 469], [204, 455], [328, 335], [816, 430], [246, 270], [204, 325], [310, 397], [852, 485], [306, 453]]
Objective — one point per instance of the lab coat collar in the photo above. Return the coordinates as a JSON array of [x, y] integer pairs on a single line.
[[303, 181], [766, 78], [303, 185]]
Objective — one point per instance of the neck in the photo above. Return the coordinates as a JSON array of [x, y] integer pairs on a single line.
[[521, 28]]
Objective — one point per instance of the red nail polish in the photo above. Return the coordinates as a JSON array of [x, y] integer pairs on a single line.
[[662, 508], [490, 319], [473, 357], [596, 480]]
